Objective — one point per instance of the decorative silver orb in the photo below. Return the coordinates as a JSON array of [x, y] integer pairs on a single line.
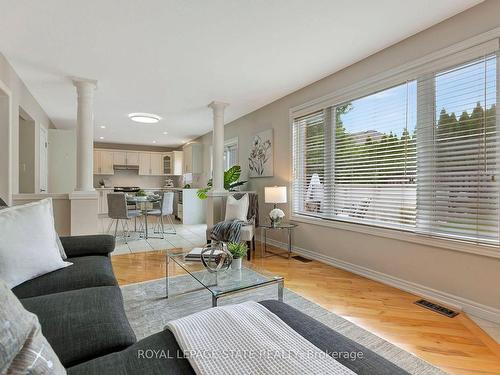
[[216, 257]]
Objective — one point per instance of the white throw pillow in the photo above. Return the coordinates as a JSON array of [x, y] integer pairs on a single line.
[[28, 246], [237, 209]]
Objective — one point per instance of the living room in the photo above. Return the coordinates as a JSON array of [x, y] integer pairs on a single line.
[[165, 166]]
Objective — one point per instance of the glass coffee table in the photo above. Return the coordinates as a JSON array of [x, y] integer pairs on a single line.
[[222, 283]]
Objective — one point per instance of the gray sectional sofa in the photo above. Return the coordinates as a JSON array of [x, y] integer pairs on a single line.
[[81, 312]]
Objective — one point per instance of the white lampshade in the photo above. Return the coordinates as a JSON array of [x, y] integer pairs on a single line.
[[275, 194]]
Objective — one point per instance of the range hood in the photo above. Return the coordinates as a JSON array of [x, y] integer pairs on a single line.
[[125, 167]]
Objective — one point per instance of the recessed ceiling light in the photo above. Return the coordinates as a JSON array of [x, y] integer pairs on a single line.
[[103, 126], [165, 133], [101, 137], [146, 118], [154, 141]]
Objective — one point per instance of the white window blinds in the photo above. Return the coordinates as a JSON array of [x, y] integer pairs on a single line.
[[309, 166], [458, 186], [420, 156]]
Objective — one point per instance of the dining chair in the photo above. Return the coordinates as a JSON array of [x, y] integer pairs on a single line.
[[166, 209], [118, 210]]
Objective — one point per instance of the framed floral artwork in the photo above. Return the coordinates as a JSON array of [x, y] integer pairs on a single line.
[[260, 159]]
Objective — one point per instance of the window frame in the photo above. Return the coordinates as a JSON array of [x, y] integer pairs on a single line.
[[454, 55]]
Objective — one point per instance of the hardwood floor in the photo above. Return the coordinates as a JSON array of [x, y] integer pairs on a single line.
[[456, 345]]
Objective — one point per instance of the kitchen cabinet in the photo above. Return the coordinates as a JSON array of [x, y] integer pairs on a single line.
[[125, 158], [132, 158], [119, 158], [150, 164], [172, 163], [156, 165], [193, 158], [103, 162]]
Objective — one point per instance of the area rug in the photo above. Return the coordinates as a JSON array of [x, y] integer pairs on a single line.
[[148, 312]]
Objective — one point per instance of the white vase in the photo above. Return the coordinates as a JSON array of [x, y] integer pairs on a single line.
[[236, 263]]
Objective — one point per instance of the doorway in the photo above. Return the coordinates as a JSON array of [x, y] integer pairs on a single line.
[[44, 157], [5, 178], [27, 150]]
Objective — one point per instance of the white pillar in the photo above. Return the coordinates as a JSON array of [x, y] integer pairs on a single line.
[[84, 200], [218, 146], [85, 134]]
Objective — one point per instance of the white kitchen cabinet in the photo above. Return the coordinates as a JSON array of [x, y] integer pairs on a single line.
[[193, 158], [144, 164], [156, 164], [167, 163], [132, 158], [125, 158], [172, 163], [150, 164], [177, 158], [119, 158], [103, 162]]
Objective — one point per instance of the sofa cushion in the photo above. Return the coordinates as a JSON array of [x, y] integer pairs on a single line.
[[330, 341], [89, 271], [83, 324], [137, 360]]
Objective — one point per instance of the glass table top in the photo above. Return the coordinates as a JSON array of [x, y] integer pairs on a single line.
[[223, 281], [279, 226]]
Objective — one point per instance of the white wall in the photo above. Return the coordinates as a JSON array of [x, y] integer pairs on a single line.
[[469, 280], [62, 161], [19, 97]]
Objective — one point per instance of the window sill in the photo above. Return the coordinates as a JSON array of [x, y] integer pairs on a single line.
[[449, 244]]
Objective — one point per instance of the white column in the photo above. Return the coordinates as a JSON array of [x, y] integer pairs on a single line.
[[84, 200], [85, 134], [218, 146]]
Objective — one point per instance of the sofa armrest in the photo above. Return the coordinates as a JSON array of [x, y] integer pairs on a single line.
[[96, 244]]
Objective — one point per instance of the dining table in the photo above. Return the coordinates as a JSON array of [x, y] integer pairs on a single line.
[[143, 204]]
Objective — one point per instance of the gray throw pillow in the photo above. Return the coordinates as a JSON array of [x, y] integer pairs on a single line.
[[23, 348]]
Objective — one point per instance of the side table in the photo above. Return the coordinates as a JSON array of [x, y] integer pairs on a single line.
[[289, 227]]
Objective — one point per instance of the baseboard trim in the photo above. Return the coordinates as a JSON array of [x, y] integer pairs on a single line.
[[468, 306]]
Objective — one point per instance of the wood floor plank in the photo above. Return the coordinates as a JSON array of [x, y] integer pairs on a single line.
[[456, 345]]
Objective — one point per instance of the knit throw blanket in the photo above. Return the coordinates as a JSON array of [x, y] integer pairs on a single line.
[[227, 231], [248, 339]]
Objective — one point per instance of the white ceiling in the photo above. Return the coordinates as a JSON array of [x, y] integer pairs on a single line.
[[172, 57]]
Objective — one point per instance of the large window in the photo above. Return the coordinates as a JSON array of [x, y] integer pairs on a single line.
[[420, 156]]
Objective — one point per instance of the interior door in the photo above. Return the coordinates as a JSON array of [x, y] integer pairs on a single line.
[[44, 144]]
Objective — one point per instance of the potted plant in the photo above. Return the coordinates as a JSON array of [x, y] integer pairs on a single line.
[[231, 177], [238, 250]]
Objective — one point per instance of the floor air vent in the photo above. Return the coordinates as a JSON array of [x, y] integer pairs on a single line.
[[301, 259], [437, 308]]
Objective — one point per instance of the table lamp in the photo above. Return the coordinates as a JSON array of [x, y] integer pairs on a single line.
[[275, 195]]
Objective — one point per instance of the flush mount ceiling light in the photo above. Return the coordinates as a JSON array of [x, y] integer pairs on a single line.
[[101, 137], [165, 133], [103, 126], [146, 118]]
